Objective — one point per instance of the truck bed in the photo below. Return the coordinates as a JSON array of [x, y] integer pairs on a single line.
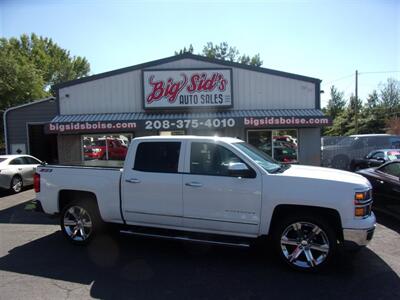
[[104, 182]]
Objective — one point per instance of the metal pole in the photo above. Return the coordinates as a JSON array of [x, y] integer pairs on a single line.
[[356, 105]]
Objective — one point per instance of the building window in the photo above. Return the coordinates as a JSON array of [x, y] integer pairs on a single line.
[[280, 144], [105, 150]]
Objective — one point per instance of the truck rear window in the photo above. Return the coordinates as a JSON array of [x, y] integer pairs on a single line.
[[158, 157]]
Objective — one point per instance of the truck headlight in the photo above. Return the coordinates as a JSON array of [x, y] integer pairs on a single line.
[[363, 204], [362, 197]]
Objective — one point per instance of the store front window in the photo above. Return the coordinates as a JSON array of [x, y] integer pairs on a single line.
[[279, 144], [105, 150]]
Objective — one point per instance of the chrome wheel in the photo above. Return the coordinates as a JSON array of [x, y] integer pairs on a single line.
[[16, 184], [304, 245], [77, 223]]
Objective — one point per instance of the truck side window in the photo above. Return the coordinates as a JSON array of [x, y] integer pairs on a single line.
[[378, 155], [210, 159], [158, 157]]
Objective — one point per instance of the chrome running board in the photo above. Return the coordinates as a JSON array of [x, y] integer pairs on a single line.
[[186, 239]]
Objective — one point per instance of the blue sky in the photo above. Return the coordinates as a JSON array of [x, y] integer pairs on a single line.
[[328, 40]]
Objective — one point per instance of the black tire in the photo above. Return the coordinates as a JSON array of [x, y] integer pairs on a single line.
[[83, 219], [288, 242], [16, 184], [340, 162]]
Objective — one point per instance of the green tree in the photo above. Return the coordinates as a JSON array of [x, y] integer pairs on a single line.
[[20, 81], [339, 125], [336, 103], [373, 99], [390, 96], [30, 66], [344, 120], [184, 50], [334, 109], [372, 116], [223, 51], [53, 63]]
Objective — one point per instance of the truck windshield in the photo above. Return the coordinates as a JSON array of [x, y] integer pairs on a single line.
[[261, 158]]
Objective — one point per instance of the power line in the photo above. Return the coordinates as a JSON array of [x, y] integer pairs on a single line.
[[378, 72], [340, 78], [362, 73]]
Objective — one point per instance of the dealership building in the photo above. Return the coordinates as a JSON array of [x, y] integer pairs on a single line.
[[94, 118]]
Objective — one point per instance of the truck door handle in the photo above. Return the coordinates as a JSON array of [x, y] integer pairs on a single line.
[[19, 169], [193, 184], [132, 180]]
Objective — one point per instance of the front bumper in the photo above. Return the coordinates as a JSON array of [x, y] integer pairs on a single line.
[[358, 237]]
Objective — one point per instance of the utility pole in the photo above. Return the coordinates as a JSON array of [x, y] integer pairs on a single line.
[[356, 106]]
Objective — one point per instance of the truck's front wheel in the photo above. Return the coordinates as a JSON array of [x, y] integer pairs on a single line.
[[79, 221], [305, 243]]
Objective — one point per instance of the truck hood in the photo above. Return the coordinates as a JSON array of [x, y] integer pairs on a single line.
[[326, 174]]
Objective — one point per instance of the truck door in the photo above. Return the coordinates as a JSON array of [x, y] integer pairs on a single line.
[[152, 188], [215, 200]]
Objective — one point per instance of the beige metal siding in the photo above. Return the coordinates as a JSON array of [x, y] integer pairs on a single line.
[[123, 92], [255, 90]]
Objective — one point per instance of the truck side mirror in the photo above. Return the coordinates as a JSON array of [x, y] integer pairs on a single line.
[[238, 169]]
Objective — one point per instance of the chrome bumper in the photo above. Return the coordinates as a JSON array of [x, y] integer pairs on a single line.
[[360, 237]]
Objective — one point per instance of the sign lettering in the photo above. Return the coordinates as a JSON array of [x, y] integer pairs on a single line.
[[166, 89]]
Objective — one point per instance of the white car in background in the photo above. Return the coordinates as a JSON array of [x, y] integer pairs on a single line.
[[16, 171]]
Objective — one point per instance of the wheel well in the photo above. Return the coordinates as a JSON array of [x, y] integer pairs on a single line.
[[331, 215], [18, 176], [67, 196]]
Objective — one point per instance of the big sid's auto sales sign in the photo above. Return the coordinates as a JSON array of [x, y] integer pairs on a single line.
[[172, 89]]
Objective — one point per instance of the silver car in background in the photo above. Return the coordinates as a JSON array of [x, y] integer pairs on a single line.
[[16, 171]]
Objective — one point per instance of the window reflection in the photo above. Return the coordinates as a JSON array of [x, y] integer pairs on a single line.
[[97, 148], [279, 144]]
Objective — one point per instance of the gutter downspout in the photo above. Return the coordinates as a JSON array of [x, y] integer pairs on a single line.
[[5, 129]]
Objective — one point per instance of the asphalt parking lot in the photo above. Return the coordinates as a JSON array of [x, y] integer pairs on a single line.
[[37, 263]]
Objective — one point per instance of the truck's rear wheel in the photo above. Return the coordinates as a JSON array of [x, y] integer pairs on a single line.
[[305, 243], [79, 222]]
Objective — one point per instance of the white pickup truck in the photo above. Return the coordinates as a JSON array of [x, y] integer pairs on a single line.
[[212, 189]]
